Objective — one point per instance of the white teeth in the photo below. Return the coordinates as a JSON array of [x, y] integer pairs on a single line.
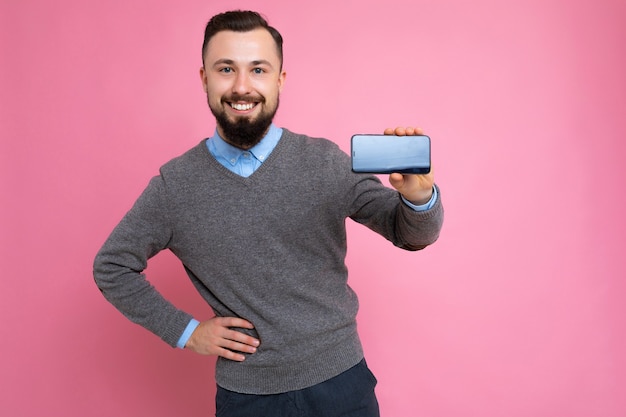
[[238, 106]]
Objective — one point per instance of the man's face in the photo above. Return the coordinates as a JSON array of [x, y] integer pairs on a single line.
[[243, 79]]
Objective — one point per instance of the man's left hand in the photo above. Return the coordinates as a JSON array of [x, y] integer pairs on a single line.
[[416, 188]]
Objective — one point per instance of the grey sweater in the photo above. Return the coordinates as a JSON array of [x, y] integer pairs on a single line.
[[269, 248]]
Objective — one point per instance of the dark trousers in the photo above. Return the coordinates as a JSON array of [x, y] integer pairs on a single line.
[[350, 394]]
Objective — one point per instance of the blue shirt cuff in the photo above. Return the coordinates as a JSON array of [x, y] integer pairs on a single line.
[[187, 333], [423, 207]]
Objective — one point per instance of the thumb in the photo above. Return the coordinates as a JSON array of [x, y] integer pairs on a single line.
[[396, 180]]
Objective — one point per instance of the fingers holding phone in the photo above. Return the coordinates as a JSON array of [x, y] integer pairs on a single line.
[[404, 131]]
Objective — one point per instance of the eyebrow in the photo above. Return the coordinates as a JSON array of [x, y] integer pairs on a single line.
[[257, 62]]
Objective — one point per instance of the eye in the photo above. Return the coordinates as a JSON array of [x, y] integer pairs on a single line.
[[226, 70], [258, 70]]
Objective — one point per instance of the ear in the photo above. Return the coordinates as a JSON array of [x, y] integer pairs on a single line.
[[204, 80], [281, 80]]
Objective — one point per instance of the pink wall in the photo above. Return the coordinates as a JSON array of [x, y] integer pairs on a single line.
[[517, 311]]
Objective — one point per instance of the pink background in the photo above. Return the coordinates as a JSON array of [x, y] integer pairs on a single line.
[[518, 310]]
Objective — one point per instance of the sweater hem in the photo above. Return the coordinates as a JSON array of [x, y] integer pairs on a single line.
[[267, 380]]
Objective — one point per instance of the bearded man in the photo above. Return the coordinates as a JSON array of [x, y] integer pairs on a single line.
[[256, 214]]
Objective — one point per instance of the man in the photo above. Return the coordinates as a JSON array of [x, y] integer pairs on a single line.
[[256, 215]]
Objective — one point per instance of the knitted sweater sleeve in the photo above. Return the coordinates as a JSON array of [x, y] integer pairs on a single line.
[[118, 267], [381, 209]]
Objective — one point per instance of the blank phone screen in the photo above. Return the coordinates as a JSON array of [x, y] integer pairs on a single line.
[[384, 154]]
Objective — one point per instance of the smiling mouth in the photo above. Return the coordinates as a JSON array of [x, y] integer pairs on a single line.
[[242, 106]]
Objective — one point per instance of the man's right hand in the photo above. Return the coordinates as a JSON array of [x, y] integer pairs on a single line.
[[216, 337]]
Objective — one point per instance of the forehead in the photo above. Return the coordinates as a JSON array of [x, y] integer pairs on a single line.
[[254, 45]]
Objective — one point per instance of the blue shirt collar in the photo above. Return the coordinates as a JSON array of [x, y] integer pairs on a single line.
[[260, 151]]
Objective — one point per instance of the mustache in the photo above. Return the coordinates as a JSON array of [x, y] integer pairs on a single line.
[[244, 97]]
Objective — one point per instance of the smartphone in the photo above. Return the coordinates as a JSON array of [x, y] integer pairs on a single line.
[[384, 154]]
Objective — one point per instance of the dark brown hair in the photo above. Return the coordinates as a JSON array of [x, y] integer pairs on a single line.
[[240, 21]]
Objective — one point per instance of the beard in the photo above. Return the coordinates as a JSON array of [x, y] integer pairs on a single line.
[[243, 132]]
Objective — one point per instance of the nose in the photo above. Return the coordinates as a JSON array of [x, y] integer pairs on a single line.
[[242, 84]]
